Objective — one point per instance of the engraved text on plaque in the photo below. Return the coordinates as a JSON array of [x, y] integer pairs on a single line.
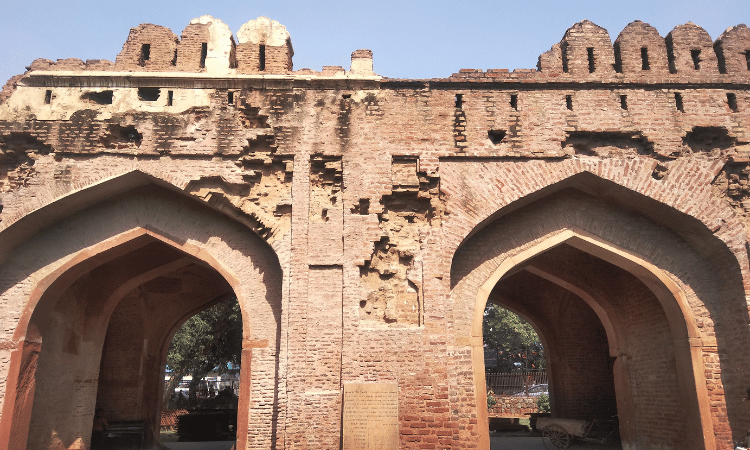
[[370, 416]]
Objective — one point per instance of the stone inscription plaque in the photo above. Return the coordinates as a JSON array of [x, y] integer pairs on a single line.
[[370, 416]]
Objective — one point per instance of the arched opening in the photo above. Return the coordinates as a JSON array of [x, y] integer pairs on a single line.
[[201, 382], [515, 366], [119, 277], [620, 330]]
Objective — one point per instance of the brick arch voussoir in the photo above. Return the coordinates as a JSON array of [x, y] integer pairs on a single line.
[[175, 181], [686, 187]]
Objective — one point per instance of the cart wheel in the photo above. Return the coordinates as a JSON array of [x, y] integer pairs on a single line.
[[555, 438]]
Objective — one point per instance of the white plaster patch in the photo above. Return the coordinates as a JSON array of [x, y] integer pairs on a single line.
[[263, 31], [220, 45]]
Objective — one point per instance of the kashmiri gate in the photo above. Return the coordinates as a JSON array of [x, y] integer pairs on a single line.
[[363, 223]]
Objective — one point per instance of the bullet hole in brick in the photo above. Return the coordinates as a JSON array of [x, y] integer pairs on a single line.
[[459, 101], [170, 98], [145, 54], [100, 98], [707, 139], [496, 136], [148, 94], [696, 55], [732, 101], [624, 102], [659, 172], [262, 58], [678, 102], [118, 136], [645, 65], [514, 101], [590, 53], [47, 97], [132, 135], [204, 54], [569, 102], [362, 303], [607, 143], [364, 206]]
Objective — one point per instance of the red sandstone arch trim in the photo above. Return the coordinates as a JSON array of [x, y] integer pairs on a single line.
[[685, 333], [12, 434]]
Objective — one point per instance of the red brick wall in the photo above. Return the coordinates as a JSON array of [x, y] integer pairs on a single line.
[[393, 191]]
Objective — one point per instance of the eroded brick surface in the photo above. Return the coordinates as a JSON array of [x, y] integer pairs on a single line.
[[363, 222]]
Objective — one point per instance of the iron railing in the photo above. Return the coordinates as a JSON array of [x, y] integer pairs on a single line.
[[518, 384]]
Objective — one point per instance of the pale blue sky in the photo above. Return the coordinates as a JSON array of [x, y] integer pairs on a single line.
[[418, 39]]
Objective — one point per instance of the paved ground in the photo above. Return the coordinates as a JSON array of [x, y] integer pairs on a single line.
[[535, 443], [215, 445], [496, 443], [516, 443]]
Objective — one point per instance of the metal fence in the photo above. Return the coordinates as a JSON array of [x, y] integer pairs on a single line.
[[518, 384]]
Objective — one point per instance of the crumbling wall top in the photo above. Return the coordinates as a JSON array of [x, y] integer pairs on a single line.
[[149, 48], [207, 45], [263, 31], [690, 49], [733, 49], [640, 49], [587, 49]]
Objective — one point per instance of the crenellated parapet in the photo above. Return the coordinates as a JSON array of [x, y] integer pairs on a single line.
[[587, 49], [585, 53], [639, 48], [264, 47], [733, 50], [149, 48], [690, 50], [639, 54]]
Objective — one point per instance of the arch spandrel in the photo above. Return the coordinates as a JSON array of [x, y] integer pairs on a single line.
[[477, 193], [46, 206]]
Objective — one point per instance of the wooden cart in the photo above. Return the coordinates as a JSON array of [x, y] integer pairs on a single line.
[[559, 434]]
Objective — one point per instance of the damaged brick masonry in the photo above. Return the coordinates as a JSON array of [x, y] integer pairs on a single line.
[[364, 222]]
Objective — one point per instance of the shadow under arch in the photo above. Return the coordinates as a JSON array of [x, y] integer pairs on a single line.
[[714, 291], [685, 334], [705, 226], [131, 212]]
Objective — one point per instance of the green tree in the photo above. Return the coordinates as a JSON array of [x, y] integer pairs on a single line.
[[517, 345], [211, 339]]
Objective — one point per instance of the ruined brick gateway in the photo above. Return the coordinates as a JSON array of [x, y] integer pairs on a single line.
[[364, 222]]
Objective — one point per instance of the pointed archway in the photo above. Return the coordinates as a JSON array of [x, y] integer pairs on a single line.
[[570, 243], [152, 256]]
